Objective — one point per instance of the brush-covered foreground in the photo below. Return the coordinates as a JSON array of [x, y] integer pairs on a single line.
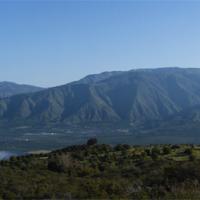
[[101, 171]]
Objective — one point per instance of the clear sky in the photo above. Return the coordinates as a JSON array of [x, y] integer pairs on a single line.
[[49, 43]]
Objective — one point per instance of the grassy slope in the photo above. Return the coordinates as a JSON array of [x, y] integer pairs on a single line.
[[102, 171]]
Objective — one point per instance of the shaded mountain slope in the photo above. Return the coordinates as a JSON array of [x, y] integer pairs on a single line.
[[132, 96]]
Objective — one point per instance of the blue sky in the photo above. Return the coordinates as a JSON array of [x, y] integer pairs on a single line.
[[52, 43]]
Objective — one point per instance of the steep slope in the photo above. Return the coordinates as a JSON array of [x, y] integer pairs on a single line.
[[76, 102], [132, 96], [151, 94], [8, 89]]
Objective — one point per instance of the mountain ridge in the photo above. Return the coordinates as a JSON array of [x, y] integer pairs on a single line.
[[132, 96], [8, 89]]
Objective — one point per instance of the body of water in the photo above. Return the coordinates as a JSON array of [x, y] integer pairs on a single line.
[[4, 155]]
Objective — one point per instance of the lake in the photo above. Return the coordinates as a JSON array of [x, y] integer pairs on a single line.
[[7, 154]]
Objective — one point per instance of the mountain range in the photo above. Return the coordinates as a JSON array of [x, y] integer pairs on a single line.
[[142, 96], [8, 89]]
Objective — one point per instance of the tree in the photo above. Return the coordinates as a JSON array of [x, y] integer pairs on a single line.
[[60, 163], [122, 147], [92, 141], [166, 150], [188, 151], [155, 152]]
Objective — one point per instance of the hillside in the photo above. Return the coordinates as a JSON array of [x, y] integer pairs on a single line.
[[134, 96], [95, 171], [8, 89]]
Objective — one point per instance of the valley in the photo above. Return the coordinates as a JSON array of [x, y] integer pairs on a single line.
[[138, 107]]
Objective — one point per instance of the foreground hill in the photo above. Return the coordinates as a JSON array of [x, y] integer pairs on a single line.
[[8, 89], [134, 97], [104, 172]]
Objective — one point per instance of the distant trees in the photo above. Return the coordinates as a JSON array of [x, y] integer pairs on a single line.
[[60, 163], [92, 141], [155, 152], [122, 147], [188, 151], [166, 150]]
